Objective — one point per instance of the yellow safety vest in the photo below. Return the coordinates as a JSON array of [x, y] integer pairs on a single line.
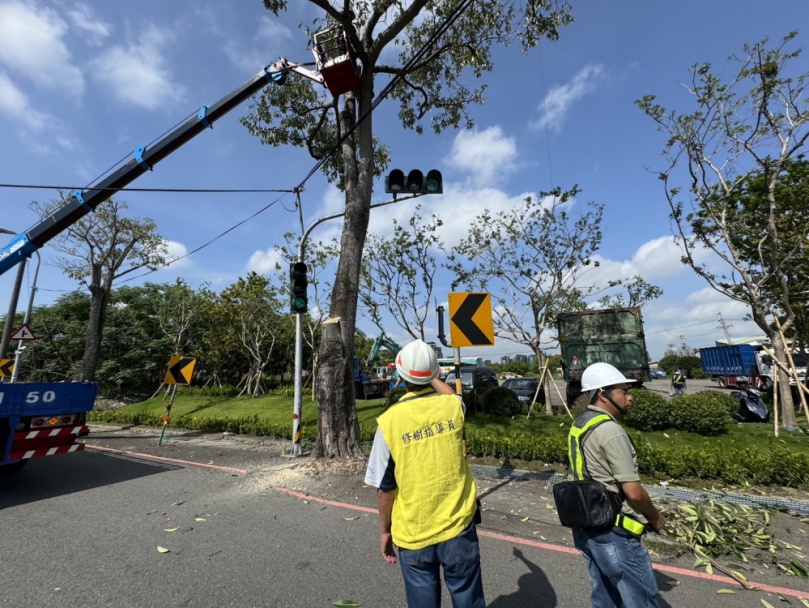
[[576, 437], [435, 494]]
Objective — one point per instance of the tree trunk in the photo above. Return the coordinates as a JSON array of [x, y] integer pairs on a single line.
[[788, 420], [338, 429], [99, 299]]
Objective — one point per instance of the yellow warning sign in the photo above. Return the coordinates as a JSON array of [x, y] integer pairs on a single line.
[[6, 367], [470, 319], [180, 370]]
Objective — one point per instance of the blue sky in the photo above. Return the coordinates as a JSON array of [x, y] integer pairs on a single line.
[[82, 84]]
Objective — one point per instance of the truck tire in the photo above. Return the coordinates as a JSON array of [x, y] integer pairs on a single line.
[[10, 469], [766, 384], [722, 381]]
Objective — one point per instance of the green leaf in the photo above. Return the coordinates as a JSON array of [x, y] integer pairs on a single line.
[[726, 592], [766, 603], [162, 549], [672, 582], [171, 529], [345, 604]]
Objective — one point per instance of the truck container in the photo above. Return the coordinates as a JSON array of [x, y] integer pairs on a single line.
[[737, 364], [613, 335], [42, 419]]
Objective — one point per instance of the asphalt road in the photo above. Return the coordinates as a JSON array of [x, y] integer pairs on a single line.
[[252, 528]]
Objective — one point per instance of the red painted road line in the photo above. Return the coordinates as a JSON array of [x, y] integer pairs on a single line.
[[149, 456], [326, 502], [570, 551]]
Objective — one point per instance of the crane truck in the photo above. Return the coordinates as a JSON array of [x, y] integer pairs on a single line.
[[44, 418]]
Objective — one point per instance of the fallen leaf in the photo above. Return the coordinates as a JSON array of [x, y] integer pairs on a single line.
[[306, 502], [543, 538], [162, 549], [200, 519], [666, 436], [171, 529], [345, 604], [673, 582], [350, 518], [524, 519], [726, 592], [766, 603]]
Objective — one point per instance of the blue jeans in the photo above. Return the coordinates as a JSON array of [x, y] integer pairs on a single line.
[[460, 558], [679, 390], [619, 569]]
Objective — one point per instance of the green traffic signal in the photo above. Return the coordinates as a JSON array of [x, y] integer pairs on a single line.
[[396, 182], [299, 299]]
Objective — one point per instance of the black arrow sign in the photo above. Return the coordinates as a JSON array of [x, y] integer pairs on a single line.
[[463, 319], [177, 369], [6, 367]]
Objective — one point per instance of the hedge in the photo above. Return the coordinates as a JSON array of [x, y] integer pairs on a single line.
[[773, 465], [500, 401]]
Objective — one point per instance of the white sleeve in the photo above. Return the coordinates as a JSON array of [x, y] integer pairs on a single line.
[[378, 461]]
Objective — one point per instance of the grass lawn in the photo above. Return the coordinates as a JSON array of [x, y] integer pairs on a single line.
[[279, 410]]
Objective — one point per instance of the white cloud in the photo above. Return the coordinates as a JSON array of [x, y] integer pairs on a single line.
[[253, 53], [561, 97], [95, 30], [14, 104], [175, 251], [484, 154], [32, 47], [137, 73], [264, 262]]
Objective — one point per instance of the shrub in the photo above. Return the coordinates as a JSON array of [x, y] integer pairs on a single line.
[[697, 373], [580, 405], [393, 395], [705, 413], [500, 402], [649, 411], [473, 399]]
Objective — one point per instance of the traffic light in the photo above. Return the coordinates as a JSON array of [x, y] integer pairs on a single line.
[[414, 183], [298, 297]]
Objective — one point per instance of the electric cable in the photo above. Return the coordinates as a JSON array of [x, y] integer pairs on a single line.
[[203, 246]]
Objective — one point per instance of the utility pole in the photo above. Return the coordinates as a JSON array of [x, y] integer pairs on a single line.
[[12, 306], [725, 327]]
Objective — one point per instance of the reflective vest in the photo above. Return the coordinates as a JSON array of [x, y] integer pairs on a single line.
[[578, 466], [435, 491]]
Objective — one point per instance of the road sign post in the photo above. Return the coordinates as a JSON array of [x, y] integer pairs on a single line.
[[180, 371]]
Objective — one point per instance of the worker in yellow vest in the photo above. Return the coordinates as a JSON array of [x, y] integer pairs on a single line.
[[618, 565], [425, 491]]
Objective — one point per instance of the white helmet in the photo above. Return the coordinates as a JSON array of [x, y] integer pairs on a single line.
[[599, 375], [417, 363]]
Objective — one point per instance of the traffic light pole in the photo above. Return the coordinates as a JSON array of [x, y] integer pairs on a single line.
[[298, 400]]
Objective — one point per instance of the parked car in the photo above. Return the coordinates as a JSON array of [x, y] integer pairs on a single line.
[[525, 389], [509, 375], [474, 377], [658, 373]]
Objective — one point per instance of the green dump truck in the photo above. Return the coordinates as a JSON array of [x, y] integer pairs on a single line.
[[613, 335]]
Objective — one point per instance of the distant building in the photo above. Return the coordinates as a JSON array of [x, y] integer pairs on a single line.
[[521, 359], [488, 362], [505, 359], [531, 358]]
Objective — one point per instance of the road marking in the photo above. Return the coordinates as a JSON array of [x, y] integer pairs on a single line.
[[149, 456], [326, 502], [570, 551]]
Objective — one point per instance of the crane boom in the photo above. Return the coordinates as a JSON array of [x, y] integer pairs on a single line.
[[145, 158]]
